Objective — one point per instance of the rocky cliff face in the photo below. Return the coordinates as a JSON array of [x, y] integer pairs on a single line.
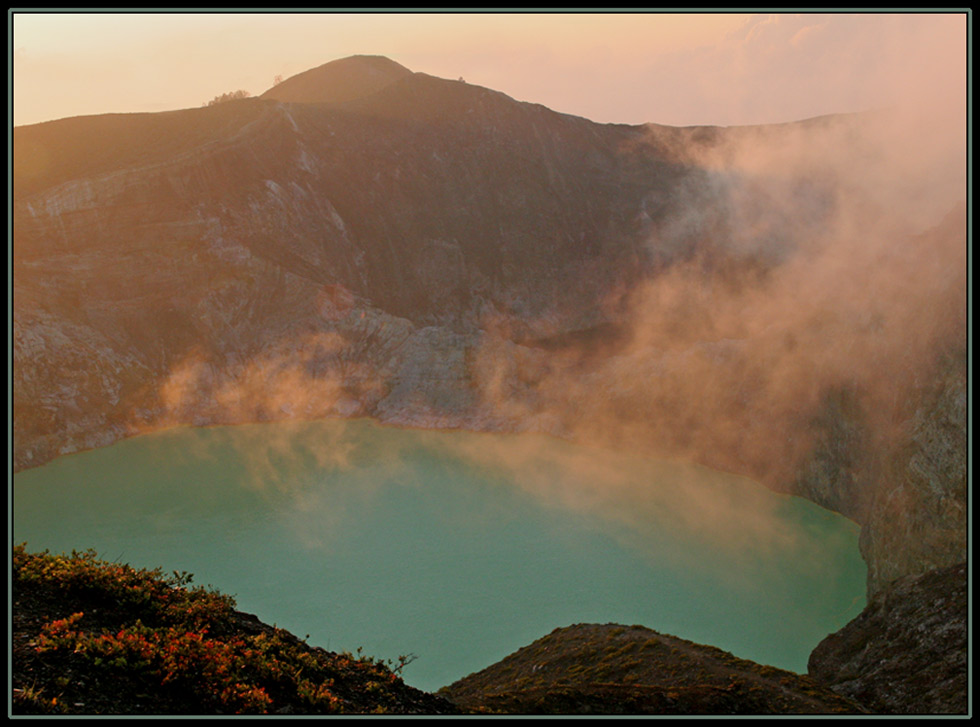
[[339, 249], [363, 240], [918, 517], [907, 651], [904, 480]]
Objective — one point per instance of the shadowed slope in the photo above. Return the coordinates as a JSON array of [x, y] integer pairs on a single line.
[[611, 669], [907, 651]]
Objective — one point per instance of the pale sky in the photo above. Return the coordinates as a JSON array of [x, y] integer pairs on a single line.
[[676, 69]]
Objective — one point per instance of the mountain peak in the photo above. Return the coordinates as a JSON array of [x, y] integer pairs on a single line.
[[341, 80]]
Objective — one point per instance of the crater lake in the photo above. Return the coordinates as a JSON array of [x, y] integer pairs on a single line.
[[455, 547]]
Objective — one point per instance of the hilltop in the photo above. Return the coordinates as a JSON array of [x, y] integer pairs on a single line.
[[338, 81], [615, 669]]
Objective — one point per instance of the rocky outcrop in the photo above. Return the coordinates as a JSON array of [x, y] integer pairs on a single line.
[[906, 653], [909, 489], [917, 519]]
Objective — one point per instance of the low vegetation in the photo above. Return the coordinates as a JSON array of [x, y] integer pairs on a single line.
[[230, 96], [93, 637]]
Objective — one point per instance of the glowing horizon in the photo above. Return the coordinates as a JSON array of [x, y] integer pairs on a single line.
[[675, 69]]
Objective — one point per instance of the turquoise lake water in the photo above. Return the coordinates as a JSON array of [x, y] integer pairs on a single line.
[[456, 547]]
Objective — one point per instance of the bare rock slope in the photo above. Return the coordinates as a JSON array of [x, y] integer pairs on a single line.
[[906, 653]]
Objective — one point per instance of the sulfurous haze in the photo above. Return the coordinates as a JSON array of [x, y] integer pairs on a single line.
[[807, 268], [802, 269], [819, 261]]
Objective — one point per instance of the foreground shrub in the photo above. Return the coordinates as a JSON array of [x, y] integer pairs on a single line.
[[148, 593], [185, 642]]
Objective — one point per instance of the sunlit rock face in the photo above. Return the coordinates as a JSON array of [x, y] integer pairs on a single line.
[[367, 241]]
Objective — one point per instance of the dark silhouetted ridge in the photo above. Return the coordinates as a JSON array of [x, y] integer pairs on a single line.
[[613, 669], [339, 81]]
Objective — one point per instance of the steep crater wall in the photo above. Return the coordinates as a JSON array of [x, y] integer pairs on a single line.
[[436, 254]]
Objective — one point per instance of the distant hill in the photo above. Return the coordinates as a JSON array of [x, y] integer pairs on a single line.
[[458, 249], [86, 147]]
